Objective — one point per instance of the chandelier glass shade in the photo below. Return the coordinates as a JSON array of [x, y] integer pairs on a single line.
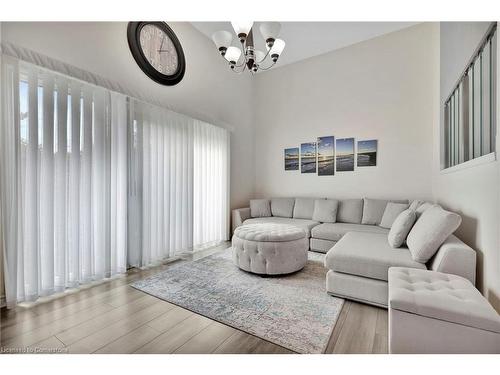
[[247, 57]]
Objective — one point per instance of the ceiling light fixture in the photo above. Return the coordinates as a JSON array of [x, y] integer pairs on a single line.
[[253, 60]]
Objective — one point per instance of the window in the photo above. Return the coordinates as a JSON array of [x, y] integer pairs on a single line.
[[470, 109]]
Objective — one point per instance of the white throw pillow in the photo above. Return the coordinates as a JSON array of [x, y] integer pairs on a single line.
[[325, 210], [433, 227], [260, 208], [401, 227], [392, 211]]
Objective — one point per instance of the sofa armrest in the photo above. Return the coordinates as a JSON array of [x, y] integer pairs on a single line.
[[455, 257], [239, 216]]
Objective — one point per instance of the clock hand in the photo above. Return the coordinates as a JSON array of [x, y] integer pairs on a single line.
[[162, 39]]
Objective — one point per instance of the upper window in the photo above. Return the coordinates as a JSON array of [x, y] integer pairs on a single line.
[[470, 109]]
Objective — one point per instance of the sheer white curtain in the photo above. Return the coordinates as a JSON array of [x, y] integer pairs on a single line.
[[63, 181], [178, 184]]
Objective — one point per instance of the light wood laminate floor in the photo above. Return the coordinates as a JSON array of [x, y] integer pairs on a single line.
[[113, 317]]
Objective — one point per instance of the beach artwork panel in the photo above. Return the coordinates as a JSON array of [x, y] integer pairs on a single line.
[[345, 154], [367, 153], [326, 156], [308, 157], [292, 159]]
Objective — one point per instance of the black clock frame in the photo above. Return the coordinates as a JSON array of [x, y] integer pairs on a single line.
[[133, 36]]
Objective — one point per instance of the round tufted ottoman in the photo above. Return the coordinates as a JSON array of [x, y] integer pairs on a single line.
[[270, 249]]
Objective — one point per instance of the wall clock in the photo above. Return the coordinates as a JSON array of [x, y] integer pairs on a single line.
[[157, 51]]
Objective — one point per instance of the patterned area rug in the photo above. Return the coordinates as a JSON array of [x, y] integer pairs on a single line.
[[293, 311]]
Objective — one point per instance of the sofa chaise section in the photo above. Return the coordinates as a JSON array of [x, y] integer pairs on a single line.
[[368, 255], [358, 265]]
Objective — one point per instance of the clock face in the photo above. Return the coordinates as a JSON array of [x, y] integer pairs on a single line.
[[159, 49]]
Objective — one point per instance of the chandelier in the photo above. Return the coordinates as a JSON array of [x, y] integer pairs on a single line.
[[253, 59]]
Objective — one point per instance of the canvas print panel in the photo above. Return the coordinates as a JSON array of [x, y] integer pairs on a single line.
[[292, 159], [345, 154], [308, 157], [367, 153], [326, 159]]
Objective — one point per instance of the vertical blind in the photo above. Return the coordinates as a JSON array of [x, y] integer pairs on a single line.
[[210, 191], [161, 184], [178, 184], [63, 182], [93, 181], [470, 110]]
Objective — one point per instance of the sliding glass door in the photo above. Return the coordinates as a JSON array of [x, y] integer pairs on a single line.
[[93, 181]]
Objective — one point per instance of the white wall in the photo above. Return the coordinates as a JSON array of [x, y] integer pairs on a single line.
[[377, 89], [473, 192], [209, 91]]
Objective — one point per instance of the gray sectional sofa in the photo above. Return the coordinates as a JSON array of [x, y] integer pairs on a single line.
[[358, 264]]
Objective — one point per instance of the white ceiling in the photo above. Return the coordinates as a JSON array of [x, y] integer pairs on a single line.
[[307, 39]]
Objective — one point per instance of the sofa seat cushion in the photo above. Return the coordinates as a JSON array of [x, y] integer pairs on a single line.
[[368, 255], [307, 225], [335, 231], [441, 296]]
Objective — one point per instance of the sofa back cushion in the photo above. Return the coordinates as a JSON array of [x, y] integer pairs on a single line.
[[401, 227], [350, 211], [422, 208], [325, 210], [391, 212], [303, 208], [415, 204], [373, 210], [282, 207], [433, 227], [260, 208]]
